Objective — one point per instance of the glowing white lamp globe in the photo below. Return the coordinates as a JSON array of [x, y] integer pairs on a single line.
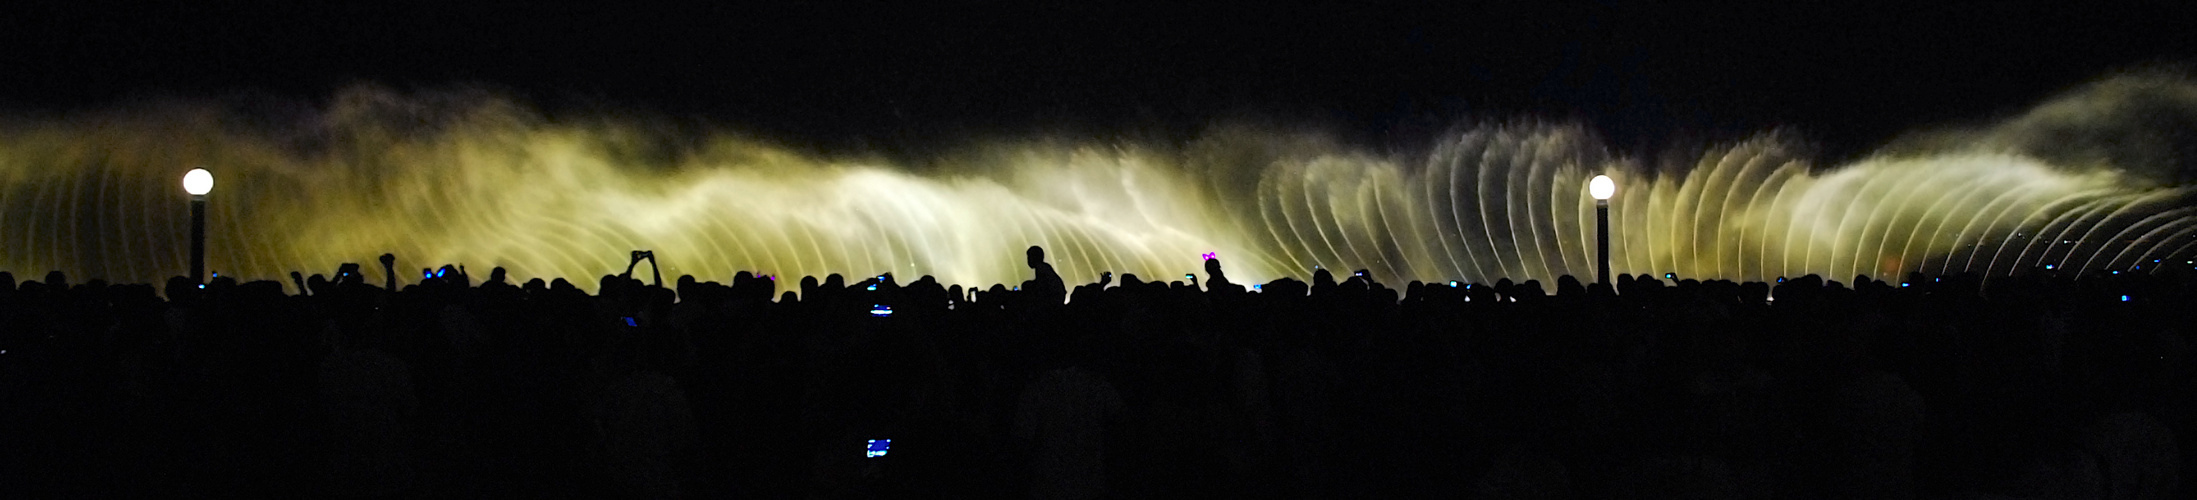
[[1602, 187], [198, 182]]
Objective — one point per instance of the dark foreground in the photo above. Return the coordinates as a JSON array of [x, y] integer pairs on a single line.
[[2041, 387]]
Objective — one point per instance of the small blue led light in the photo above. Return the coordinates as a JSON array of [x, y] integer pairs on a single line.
[[2124, 298], [1903, 285], [1453, 283], [630, 322], [881, 310], [2047, 267], [2116, 271], [878, 447]]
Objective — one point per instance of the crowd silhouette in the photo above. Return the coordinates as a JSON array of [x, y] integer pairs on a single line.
[[2034, 386]]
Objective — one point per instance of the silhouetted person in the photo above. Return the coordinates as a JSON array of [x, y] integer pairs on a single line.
[[1215, 279], [1569, 286], [1322, 281], [1046, 286]]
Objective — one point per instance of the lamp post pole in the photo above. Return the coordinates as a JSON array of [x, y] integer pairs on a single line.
[[1602, 241], [198, 182], [1602, 188], [198, 238]]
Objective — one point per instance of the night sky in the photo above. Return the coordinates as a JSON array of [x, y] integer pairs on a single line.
[[901, 74]]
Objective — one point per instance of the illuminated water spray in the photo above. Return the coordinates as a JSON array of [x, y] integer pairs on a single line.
[[477, 180]]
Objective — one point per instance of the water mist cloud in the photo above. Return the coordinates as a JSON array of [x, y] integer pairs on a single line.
[[470, 177]]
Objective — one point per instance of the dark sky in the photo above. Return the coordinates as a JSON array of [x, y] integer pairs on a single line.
[[828, 74]]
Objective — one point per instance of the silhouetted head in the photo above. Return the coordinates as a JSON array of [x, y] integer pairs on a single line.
[[1213, 267], [608, 284], [1567, 285], [496, 275], [57, 280], [1532, 288], [1037, 256], [178, 287]]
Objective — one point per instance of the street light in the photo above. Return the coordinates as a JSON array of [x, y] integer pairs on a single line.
[[198, 182], [1602, 188]]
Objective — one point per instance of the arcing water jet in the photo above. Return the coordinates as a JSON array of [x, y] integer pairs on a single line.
[[482, 181]]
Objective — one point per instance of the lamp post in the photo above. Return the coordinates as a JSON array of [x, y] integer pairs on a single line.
[[1602, 187], [198, 182]]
